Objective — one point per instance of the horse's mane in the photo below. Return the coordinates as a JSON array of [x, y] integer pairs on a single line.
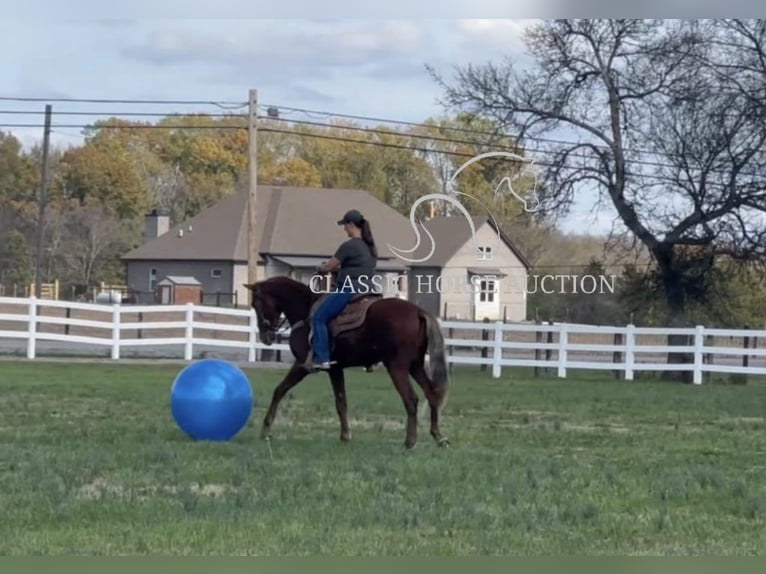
[[288, 284]]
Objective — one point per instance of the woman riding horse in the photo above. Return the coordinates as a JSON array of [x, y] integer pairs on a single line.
[[355, 260]]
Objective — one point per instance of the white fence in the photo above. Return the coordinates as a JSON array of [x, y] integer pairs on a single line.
[[120, 327]]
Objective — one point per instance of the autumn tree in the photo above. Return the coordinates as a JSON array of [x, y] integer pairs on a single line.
[[104, 171], [378, 160], [15, 259], [18, 182], [665, 126]]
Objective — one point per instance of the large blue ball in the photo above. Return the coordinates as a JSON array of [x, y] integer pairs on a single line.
[[211, 400]]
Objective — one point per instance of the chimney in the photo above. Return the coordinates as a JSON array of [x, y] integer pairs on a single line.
[[157, 224]]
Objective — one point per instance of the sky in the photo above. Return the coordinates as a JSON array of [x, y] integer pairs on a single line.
[[373, 68]]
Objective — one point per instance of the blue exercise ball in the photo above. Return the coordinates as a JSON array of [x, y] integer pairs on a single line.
[[211, 400]]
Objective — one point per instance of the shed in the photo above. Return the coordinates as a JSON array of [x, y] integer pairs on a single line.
[[178, 290]]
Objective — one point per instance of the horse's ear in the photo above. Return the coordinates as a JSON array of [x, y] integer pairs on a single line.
[[250, 286]]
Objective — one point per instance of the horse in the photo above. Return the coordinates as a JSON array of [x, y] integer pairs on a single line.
[[372, 329]]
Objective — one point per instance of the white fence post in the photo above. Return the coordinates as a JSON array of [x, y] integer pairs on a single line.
[[188, 347], [630, 343], [699, 342], [562, 351], [253, 336], [497, 350], [115, 331], [32, 341]]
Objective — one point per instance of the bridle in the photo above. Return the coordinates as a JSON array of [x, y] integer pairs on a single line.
[[272, 326]]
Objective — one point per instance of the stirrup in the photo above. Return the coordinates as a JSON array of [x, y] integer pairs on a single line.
[[323, 366]]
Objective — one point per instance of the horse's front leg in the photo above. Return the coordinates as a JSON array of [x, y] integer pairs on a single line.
[[294, 376], [339, 389]]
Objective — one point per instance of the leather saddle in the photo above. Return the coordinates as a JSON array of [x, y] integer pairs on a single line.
[[352, 317]]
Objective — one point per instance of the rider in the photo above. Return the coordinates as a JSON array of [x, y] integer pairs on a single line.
[[356, 258]]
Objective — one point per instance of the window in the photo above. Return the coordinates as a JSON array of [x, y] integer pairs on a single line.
[[216, 273], [487, 291], [486, 253], [152, 279]]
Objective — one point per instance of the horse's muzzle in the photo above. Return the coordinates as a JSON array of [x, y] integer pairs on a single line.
[[267, 337]]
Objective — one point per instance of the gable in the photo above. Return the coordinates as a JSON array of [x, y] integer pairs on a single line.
[[503, 255], [452, 236]]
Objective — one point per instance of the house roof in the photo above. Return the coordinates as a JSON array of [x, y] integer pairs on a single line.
[[293, 221], [303, 262], [450, 234], [179, 280]]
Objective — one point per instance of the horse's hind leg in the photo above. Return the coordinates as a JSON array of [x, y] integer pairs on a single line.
[[418, 372], [339, 388], [400, 376], [294, 376]]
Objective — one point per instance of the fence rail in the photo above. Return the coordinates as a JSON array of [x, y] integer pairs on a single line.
[[494, 345]]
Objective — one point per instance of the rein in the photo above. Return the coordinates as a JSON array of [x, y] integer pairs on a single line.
[[274, 328]]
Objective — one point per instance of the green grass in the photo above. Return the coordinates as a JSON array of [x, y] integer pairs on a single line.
[[91, 462]]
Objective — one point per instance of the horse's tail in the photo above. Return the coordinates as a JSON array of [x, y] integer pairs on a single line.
[[437, 357]]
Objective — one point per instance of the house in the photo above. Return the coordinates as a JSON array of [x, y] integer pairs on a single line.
[[298, 228], [467, 279]]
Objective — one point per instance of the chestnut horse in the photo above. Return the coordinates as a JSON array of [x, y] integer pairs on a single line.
[[395, 332]]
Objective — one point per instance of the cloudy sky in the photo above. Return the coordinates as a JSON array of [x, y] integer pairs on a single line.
[[370, 68]]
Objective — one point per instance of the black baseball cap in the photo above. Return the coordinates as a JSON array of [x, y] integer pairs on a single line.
[[352, 216]]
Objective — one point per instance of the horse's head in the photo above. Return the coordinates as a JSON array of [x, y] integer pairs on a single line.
[[274, 297], [267, 310]]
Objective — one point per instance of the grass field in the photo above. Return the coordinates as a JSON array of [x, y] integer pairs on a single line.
[[91, 462]]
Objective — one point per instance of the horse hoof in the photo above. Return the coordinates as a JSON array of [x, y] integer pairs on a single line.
[[345, 438], [445, 443], [409, 445], [266, 435]]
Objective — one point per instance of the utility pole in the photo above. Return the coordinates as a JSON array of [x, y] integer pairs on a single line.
[[252, 212], [42, 200]]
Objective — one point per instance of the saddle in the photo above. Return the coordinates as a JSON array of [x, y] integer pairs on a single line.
[[352, 317]]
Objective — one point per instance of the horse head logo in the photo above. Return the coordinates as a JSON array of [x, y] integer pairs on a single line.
[[500, 190]]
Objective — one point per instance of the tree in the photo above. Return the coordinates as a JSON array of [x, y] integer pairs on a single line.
[[379, 161], [488, 181], [91, 239], [15, 260], [661, 134], [294, 171], [18, 182], [104, 172]]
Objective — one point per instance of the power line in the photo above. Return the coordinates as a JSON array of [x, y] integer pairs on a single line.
[[452, 141], [452, 153], [433, 138], [128, 114], [440, 127], [651, 176], [307, 112], [130, 127], [376, 143], [238, 105], [234, 105]]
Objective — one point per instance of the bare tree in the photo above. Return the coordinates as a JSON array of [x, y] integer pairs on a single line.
[[668, 125], [87, 237]]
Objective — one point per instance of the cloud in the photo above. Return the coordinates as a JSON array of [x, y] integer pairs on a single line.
[[280, 49], [304, 93], [492, 37], [319, 62]]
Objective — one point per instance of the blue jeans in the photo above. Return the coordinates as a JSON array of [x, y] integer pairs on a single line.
[[327, 311]]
